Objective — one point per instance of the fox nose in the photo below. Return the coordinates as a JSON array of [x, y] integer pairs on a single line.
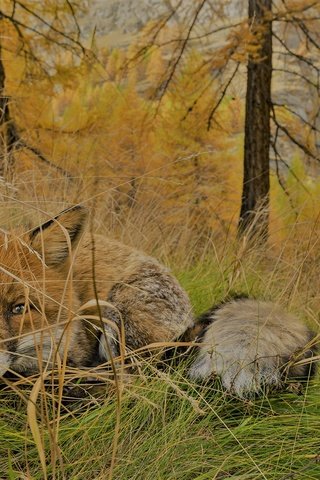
[[4, 362]]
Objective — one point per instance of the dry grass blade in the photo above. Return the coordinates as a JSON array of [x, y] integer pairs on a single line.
[[34, 425]]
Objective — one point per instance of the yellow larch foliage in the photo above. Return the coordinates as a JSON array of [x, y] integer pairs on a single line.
[[139, 139]]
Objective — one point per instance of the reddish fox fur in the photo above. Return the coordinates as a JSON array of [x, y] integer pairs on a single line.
[[48, 274]]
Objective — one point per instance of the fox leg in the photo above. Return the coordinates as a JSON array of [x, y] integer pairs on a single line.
[[150, 307], [109, 342]]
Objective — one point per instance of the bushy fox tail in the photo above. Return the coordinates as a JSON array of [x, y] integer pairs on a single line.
[[252, 345]]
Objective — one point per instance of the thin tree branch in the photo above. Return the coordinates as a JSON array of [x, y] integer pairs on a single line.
[[73, 13], [306, 32], [152, 43], [223, 93], [291, 10], [279, 157], [184, 45], [302, 147], [292, 72], [51, 27], [282, 105], [293, 54], [281, 183], [37, 153], [38, 32], [194, 103]]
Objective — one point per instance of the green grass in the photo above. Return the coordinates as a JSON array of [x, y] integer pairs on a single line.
[[166, 428], [173, 430]]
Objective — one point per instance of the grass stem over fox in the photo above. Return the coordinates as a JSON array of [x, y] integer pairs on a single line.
[[47, 289]]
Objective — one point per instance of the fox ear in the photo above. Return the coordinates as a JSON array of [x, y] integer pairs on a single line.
[[55, 239]]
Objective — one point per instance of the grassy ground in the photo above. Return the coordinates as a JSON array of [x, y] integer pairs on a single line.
[[169, 429], [157, 425]]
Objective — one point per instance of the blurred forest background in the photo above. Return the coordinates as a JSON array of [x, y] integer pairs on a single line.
[[138, 108]]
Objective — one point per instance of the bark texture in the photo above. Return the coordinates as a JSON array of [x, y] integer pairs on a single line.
[[254, 215], [8, 132]]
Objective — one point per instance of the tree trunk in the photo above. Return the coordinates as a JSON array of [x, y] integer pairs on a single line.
[[8, 132], [254, 215]]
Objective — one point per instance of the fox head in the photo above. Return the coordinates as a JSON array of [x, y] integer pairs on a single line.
[[37, 299]]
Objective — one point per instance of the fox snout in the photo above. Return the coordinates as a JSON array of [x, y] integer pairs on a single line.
[[4, 362], [7, 348], [25, 352]]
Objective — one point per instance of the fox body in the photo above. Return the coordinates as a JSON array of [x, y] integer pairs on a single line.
[[56, 275], [47, 275]]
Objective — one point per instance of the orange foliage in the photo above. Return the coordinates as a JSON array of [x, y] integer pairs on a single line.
[[111, 127], [139, 145]]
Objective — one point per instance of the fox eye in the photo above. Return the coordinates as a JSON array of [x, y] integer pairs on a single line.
[[18, 309]]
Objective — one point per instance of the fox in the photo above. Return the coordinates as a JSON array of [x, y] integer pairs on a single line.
[[57, 278]]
